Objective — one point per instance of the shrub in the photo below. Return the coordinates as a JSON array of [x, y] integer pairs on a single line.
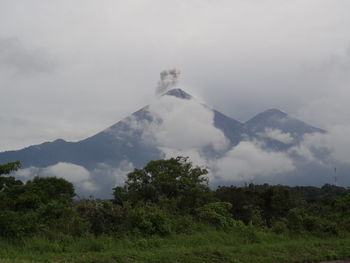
[[151, 220], [295, 220], [216, 214], [185, 224], [103, 216], [16, 224], [280, 226]]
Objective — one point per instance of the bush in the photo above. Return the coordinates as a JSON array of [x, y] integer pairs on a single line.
[[295, 220], [185, 224], [16, 224], [173, 179], [280, 226], [216, 214], [151, 220], [103, 217]]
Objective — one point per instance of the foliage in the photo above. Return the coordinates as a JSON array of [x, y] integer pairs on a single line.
[[6, 182], [9, 167], [172, 179], [39, 205], [166, 198], [102, 216], [216, 214], [150, 220], [205, 246]]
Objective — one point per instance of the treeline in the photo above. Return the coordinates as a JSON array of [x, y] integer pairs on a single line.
[[167, 197]]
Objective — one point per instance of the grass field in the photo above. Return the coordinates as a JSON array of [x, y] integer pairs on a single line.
[[206, 246]]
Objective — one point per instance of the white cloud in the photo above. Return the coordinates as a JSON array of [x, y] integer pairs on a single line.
[[129, 42], [71, 172], [27, 173], [265, 56], [78, 175], [183, 124], [328, 148], [186, 127], [179, 127], [248, 160], [195, 155], [329, 105], [277, 134], [89, 186], [99, 181], [112, 176]]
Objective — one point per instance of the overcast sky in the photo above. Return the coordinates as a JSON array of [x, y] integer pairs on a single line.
[[69, 69]]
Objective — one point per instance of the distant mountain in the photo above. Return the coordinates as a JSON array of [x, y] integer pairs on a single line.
[[277, 129], [132, 139], [277, 119], [112, 145]]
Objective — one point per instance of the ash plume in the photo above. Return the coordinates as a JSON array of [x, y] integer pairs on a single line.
[[168, 80]]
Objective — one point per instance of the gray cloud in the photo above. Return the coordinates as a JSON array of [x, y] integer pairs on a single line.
[[97, 182], [78, 175], [180, 127], [328, 149], [241, 57], [14, 56], [248, 161], [168, 80], [278, 135], [329, 106], [182, 124]]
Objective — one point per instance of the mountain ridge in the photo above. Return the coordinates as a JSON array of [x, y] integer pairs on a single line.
[[105, 147]]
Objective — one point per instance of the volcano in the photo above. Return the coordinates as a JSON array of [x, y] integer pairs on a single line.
[[175, 123]]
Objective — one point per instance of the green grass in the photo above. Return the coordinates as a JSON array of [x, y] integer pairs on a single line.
[[207, 246]]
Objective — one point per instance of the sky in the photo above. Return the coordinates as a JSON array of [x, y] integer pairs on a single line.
[[69, 69]]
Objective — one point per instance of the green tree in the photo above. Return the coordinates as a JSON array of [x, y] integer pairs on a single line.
[[217, 214], [276, 202], [172, 179], [9, 181], [38, 205], [9, 167]]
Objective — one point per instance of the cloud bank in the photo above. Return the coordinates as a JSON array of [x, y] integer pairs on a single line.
[[97, 182], [247, 161], [277, 134], [242, 57], [186, 127]]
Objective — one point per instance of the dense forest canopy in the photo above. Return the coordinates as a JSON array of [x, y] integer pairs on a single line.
[[165, 197]]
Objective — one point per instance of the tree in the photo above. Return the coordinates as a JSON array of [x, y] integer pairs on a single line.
[[9, 167], [52, 188], [9, 181], [276, 202], [172, 179]]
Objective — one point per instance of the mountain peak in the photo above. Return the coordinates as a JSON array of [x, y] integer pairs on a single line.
[[271, 118], [275, 119], [270, 115], [179, 93], [273, 112]]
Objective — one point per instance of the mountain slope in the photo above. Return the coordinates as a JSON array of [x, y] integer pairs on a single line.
[[113, 145], [277, 129], [276, 119], [177, 124]]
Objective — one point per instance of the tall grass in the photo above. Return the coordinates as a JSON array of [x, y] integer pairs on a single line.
[[209, 245]]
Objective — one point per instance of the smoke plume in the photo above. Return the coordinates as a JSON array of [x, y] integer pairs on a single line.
[[168, 80]]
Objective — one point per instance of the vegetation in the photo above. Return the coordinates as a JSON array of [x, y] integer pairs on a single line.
[[166, 212]]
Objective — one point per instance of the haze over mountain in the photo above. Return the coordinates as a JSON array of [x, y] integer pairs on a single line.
[[270, 147]]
